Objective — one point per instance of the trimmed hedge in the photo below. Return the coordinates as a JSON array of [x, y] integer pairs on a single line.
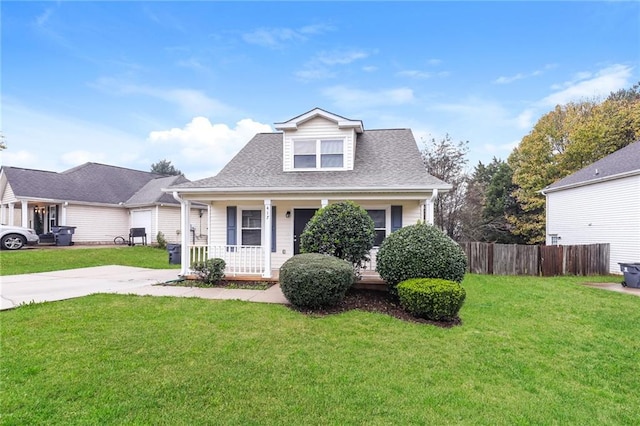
[[344, 230], [313, 280], [431, 298], [420, 251]]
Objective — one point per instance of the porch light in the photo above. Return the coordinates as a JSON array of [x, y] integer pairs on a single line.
[[288, 214]]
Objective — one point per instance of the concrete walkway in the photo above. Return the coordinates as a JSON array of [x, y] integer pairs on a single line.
[[60, 285]]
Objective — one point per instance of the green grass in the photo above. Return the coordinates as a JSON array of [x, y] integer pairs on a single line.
[[529, 351], [44, 260]]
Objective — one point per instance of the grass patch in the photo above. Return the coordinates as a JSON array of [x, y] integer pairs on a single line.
[[241, 285], [44, 260], [529, 351]]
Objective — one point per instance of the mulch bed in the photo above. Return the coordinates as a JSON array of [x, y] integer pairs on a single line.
[[375, 301]]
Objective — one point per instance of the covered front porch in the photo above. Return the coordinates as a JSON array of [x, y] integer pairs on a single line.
[[41, 215], [256, 235]]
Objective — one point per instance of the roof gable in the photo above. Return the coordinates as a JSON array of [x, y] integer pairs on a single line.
[[623, 162], [342, 122]]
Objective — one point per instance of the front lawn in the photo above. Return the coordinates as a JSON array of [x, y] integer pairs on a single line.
[[55, 259], [529, 351]]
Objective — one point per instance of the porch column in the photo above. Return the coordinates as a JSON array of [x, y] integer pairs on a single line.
[[3, 213], [266, 246], [24, 206], [429, 204], [11, 214], [63, 213], [324, 203], [185, 230], [209, 239]]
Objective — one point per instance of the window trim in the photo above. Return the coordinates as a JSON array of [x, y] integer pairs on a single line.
[[387, 218], [241, 227], [318, 154]]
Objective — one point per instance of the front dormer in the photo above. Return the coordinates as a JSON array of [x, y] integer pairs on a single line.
[[319, 141]]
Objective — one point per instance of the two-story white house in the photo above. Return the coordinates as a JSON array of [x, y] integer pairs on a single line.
[[260, 202]]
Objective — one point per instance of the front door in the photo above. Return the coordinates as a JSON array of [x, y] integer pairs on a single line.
[[300, 219]]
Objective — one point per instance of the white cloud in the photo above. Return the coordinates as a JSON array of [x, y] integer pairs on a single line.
[[369, 68], [414, 74], [58, 142], [75, 158], [278, 38], [525, 119], [340, 57], [505, 80], [21, 158], [321, 65], [202, 143], [346, 97], [521, 76], [191, 102], [587, 85]]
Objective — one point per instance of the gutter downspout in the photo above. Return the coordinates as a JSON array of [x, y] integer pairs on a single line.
[[184, 234], [430, 218]]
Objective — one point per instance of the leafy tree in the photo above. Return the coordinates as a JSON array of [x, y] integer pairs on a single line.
[[446, 160], [164, 167], [562, 142], [3, 142], [488, 201]]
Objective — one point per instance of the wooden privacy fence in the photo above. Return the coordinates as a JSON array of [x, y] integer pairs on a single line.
[[514, 259]]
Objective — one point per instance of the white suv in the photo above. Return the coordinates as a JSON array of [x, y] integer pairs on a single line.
[[16, 237]]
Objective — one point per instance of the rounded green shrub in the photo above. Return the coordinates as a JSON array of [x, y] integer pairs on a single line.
[[210, 271], [431, 298], [313, 280], [420, 251], [343, 230]]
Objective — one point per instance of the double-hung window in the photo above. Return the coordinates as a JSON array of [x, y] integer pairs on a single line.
[[380, 223], [318, 153], [251, 231]]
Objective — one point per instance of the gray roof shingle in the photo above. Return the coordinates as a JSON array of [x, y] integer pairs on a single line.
[[90, 182], [384, 159], [624, 160]]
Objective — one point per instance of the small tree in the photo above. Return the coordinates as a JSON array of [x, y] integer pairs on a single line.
[[343, 230], [164, 167]]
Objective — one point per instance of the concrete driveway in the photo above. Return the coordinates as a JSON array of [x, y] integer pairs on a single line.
[[60, 285]]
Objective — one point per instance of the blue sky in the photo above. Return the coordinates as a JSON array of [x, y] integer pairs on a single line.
[[132, 83]]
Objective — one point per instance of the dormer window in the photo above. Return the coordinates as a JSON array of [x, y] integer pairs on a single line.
[[318, 154]]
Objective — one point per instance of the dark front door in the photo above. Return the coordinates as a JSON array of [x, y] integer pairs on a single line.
[[300, 219]]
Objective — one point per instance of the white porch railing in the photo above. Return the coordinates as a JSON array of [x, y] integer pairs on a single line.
[[370, 266], [240, 260], [249, 260]]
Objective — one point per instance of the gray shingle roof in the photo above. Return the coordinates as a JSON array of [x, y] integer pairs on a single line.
[[90, 182], [384, 159], [151, 192], [623, 161]]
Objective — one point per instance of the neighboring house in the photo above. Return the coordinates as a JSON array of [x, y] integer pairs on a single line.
[[599, 204], [101, 201], [262, 199]]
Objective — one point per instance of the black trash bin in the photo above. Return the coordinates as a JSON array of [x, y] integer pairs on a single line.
[[63, 235], [175, 254], [631, 274]]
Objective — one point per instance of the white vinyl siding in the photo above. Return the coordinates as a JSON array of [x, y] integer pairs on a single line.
[[319, 128], [169, 224], [95, 224], [607, 212]]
